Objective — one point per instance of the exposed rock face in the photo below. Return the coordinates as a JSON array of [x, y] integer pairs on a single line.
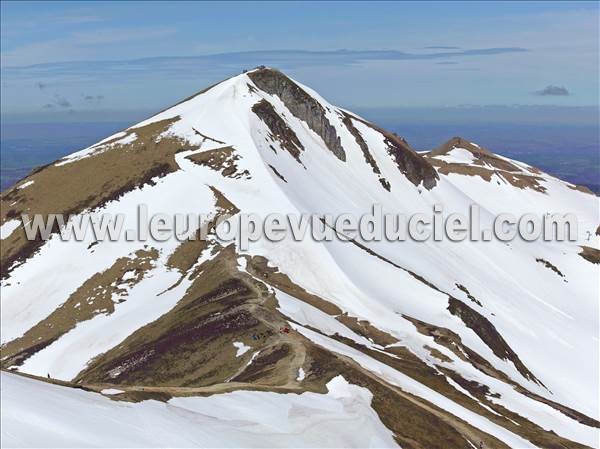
[[459, 142], [488, 333], [301, 104], [412, 165], [279, 130], [590, 254], [306, 108], [347, 120]]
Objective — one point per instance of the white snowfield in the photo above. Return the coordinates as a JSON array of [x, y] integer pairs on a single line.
[[25, 185], [44, 415], [550, 322], [457, 155], [8, 227], [241, 348]]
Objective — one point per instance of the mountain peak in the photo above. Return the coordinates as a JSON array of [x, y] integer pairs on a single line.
[[460, 142], [425, 327]]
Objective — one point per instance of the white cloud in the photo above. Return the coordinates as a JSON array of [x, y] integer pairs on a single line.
[[78, 45], [120, 35]]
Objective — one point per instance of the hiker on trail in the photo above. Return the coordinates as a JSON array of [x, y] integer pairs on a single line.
[[48, 375]]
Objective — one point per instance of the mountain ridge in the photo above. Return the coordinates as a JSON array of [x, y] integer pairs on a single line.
[[444, 334]]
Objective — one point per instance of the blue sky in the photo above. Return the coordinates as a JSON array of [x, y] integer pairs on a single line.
[[93, 56]]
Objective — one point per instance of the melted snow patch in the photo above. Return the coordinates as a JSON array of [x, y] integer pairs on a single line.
[[130, 138], [7, 228], [252, 359], [111, 391], [100, 147], [241, 348], [457, 156], [25, 184], [243, 263], [129, 275]]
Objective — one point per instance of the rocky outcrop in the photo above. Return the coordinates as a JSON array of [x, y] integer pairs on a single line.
[[412, 165], [590, 254], [485, 164], [459, 142], [488, 334], [347, 120], [301, 104], [279, 129]]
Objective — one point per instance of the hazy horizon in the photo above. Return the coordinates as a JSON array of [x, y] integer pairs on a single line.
[[566, 150], [79, 58], [519, 77]]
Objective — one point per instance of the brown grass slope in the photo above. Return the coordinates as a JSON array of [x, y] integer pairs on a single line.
[[86, 184], [485, 165]]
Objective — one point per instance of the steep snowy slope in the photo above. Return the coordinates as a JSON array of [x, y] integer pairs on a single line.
[[340, 418], [457, 342]]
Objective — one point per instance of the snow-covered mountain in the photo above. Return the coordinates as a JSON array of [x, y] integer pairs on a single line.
[[432, 344]]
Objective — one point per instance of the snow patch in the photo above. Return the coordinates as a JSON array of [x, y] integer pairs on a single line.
[[111, 391], [129, 275], [122, 139], [8, 227], [25, 184], [241, 348], [457, 156], [341, 418]]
